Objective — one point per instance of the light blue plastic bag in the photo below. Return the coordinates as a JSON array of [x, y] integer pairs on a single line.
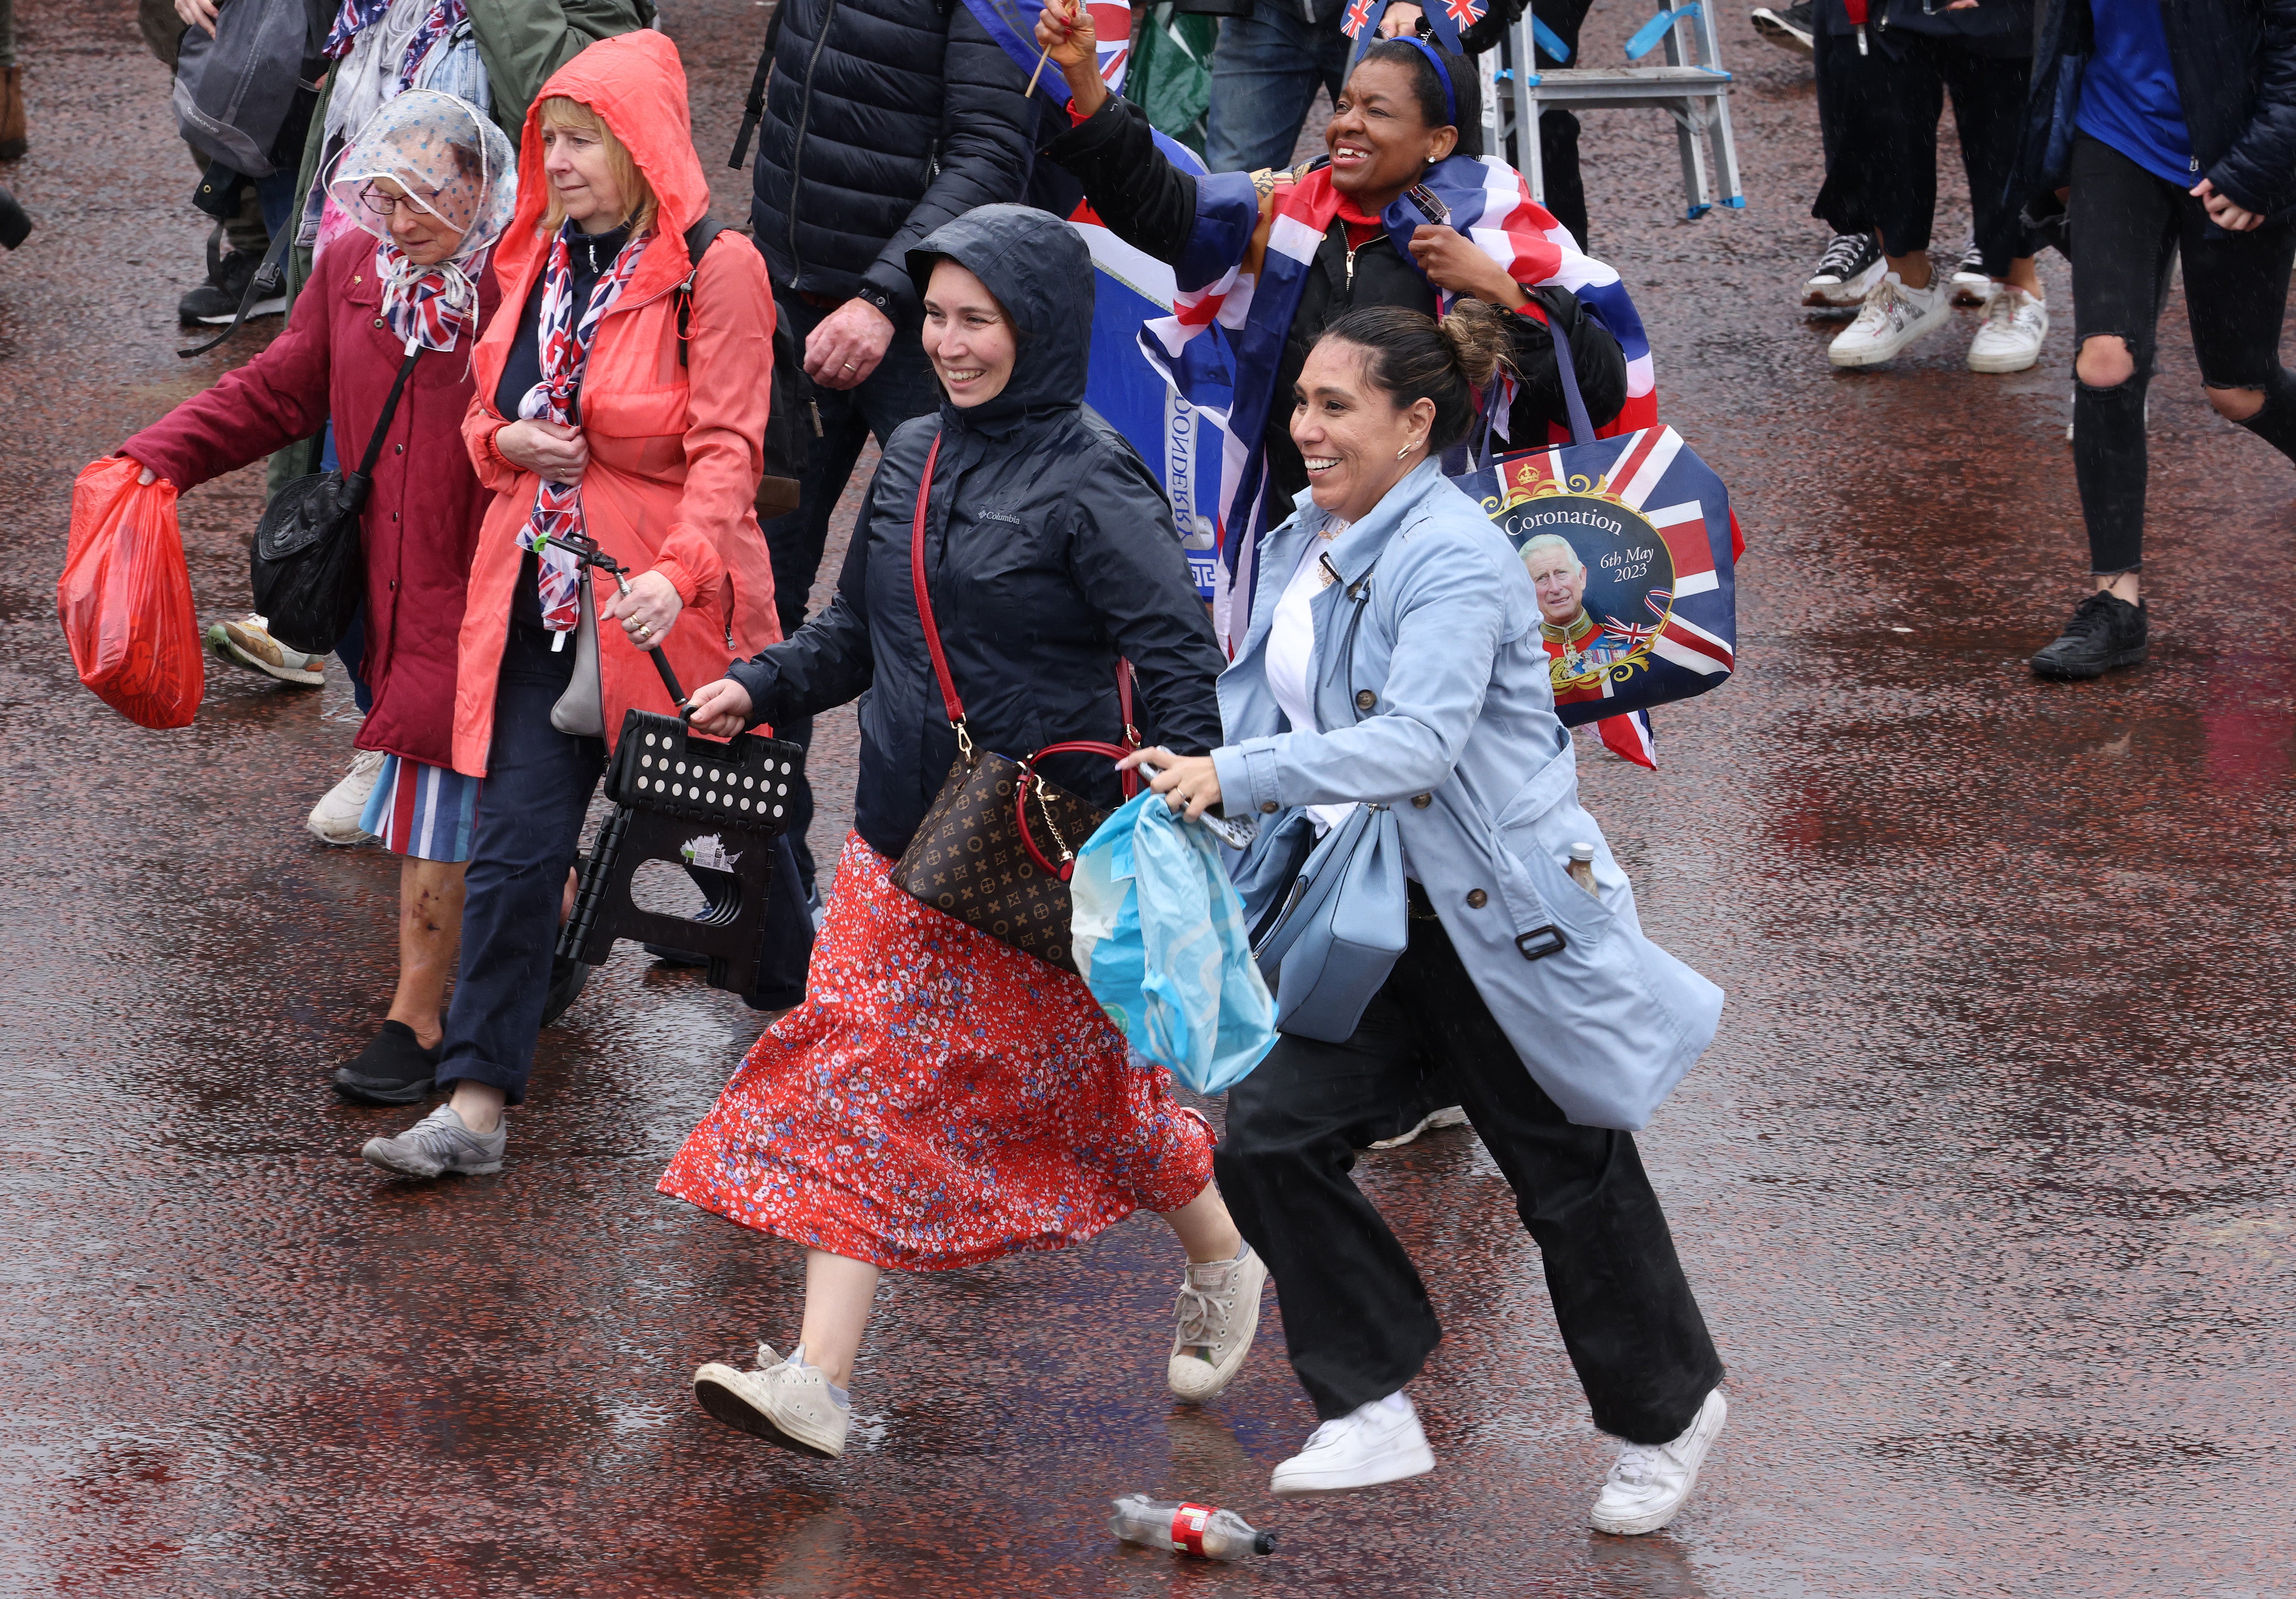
[[1159, 934]]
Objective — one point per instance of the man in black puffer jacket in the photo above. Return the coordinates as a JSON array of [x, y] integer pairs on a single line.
[[882, 119]]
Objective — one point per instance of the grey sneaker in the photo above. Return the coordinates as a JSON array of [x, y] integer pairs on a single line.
[[1447, 1116], [785, 1402], [1218, 1311], [438, 1144]]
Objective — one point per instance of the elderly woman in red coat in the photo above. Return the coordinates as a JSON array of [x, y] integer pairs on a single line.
[[436, 183]]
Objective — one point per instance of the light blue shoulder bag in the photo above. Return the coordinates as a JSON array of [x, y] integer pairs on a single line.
[[1344, 920]]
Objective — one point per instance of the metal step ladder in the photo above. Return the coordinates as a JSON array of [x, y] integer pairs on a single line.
[[1692, 87]]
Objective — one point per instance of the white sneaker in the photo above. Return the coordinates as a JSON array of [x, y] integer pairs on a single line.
[[1218, 1311], [1892, 317], [785, 1402], [249, 644], [1852, 264], [1971, 285], [1372, 1444], [1650, 1481], [335, 818], [2010, 340]]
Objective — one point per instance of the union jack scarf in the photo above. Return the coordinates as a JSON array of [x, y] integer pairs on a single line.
[[565, 348], [431, 305], [356, 16], [1240, 275]]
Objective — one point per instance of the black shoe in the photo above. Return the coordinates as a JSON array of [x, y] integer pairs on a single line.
[[1788, 29], [2105, 632], [392, 1070], [217, 301], [15, 226], [566, 979]]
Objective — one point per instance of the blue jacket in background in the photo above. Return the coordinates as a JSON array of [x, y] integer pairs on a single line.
[[1458, 734]]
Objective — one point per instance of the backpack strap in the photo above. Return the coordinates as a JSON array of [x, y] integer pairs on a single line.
[[698, 239]]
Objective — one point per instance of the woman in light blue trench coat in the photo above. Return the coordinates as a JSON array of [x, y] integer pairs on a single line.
[[1394, 659]]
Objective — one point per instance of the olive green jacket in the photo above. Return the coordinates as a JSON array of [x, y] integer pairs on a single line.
[[522, 42]]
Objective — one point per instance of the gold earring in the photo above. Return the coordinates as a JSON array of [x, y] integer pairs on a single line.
[[1406, 450]]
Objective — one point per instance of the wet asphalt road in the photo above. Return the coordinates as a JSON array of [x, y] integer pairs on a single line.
[[1985, 1186]]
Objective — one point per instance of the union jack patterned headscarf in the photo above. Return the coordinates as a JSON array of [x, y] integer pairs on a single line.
[[565, 348], [446, 157]]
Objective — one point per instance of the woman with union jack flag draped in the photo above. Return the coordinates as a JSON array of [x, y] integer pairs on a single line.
[[1405, 211]]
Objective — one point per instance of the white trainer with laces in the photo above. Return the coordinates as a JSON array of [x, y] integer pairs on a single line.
[[1650, 1481], [1892, 317], [1373, 1444], [335, 818], [785, 1402], [438, 1145], [2016, 326], [1218, 1310]]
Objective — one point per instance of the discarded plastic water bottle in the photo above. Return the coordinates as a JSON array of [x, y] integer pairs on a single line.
[[1187, 1528], [1582, 868]]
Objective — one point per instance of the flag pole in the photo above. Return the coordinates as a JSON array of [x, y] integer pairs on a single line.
[[1042, 56]]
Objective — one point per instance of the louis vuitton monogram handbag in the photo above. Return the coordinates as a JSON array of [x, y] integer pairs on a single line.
[[980, 855]]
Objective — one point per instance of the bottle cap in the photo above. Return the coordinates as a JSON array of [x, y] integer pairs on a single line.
[[1263, 1543], [1582, 852]]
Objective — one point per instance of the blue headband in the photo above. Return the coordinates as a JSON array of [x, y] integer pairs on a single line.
[[1450, 101]]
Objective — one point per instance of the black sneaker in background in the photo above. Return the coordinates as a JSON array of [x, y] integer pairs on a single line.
[[392, 1070], [217, 301], [1788, 29], [1852, 264], [2105, 632]]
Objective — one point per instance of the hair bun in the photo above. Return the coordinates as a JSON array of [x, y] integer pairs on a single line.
[[1480, 341]]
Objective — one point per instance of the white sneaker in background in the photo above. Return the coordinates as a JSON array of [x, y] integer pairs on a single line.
[[2010, 338], [249, 644], [1892, 317], [1971, 285], [1650, 1481], [1373, 1444], [335, 818]]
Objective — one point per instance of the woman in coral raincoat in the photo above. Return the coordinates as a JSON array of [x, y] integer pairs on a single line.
[[586, 419]]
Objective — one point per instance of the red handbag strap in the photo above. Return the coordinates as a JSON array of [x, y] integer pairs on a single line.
[[1029, 780], [949, 702], [955, 707]]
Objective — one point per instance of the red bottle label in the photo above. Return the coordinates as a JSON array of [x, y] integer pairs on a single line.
[[1188, 1523]]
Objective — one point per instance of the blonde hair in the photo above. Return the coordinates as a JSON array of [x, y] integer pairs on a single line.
[[558, 111]]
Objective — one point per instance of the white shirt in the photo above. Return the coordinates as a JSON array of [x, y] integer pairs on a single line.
[[1291, 651]]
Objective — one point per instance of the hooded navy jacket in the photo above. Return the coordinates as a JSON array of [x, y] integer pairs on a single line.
[[1049, 551]]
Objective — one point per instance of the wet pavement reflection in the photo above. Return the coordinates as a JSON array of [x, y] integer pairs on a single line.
[[1985, 1188]]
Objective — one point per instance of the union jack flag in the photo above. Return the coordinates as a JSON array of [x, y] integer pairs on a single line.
[[1013, 24], [1359, 17], [1465, 14]]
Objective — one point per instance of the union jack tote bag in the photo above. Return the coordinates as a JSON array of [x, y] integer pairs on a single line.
[[1630, 544]]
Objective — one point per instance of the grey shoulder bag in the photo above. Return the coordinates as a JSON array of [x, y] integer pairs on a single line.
[[1344, 920]]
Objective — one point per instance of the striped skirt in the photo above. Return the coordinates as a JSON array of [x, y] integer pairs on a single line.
[[422, 811]]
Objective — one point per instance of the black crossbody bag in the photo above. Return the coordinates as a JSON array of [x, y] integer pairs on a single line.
[[308, 568]]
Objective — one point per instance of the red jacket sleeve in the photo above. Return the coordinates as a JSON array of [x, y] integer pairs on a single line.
[[729, 366], [276, 399]]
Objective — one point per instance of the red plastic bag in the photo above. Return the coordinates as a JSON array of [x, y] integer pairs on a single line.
[[124, 597]]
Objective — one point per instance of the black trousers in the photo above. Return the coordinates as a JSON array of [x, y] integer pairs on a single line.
[[1880, 112], [1357, 1321], [2128, 229], [1558, 130]]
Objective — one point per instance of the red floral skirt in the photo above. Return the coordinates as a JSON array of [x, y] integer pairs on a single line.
[[939, 1099]]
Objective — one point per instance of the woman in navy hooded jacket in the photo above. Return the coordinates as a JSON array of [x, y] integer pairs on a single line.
[[941, 1099]]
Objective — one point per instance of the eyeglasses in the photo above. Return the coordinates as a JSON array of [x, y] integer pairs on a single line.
[[385, 205]]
